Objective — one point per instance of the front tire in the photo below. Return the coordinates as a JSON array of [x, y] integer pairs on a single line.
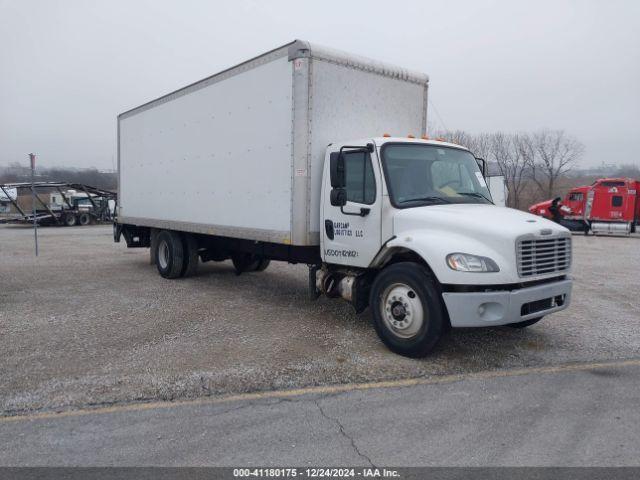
[[169, 254], [408, 314]]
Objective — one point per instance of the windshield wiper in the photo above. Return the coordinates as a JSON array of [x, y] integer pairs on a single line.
[[475, 194], [431, 198]]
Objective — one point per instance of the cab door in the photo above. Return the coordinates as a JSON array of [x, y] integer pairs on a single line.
[[350, 234]]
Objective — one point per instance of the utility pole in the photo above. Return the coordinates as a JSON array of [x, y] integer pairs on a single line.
[[32, 158]]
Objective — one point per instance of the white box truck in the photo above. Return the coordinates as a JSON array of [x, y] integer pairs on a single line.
[[288, 156]]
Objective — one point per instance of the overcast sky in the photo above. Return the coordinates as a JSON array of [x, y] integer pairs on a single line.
[[68, 67]]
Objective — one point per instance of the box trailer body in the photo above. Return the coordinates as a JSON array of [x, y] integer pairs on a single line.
[[286, 157], [265, 124]]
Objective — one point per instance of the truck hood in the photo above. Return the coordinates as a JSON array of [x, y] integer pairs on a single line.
[[537, 207], [475, 220], [434, 231]]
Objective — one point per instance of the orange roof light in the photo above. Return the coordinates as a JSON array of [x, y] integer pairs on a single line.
[[440, 139], [386, 135], [425, 137], [410, 136]]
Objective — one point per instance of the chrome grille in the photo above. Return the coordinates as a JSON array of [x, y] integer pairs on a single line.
[[539, 256]]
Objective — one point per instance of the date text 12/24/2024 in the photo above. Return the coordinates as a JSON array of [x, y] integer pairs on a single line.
[[316, 472]]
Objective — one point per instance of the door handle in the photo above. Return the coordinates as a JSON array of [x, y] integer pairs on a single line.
[[363, 212]]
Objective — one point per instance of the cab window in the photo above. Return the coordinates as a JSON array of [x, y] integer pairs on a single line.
[[450, 175], [361, 183], [575, 197], [423, 174]]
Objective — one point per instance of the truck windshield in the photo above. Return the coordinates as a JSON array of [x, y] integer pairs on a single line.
[[431, 174]]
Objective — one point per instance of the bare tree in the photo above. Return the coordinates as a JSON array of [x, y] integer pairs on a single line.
[[531, 164], [500, 149], [554, 154], [505, 150], [459, 137], [478, 144], [481, 145]]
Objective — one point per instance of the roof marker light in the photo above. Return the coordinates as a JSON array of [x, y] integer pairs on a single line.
[[425, 137], [386, 135], [410, 136]]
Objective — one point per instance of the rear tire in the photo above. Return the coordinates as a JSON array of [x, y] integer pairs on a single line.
[[70, 219], [169, 254], [84, 219], [525, 324], [262, 265], [191, 257], [408, 314], [248, 262]]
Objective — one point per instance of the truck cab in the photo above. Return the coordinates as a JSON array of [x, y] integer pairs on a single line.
[[568, 212], [608, 206], [574, 202], [415, 220]]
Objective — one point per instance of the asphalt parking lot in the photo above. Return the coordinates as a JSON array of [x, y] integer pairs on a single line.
[[581, 414], [91, 323]]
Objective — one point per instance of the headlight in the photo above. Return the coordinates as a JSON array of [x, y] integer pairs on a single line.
[[464, 262]]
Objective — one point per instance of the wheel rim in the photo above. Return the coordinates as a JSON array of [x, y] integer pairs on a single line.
[[163, 255], [402, 310]]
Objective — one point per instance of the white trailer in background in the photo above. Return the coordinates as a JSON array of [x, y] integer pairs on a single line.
[[7, 197], [287, 156], [498, 189]]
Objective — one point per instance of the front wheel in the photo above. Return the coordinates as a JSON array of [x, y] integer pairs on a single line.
[[407, 310]]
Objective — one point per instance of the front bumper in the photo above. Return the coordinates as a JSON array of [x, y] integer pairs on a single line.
[[484, 309]]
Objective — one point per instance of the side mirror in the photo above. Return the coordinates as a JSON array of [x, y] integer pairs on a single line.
[[483, 165], [338, 197], [337, 172]]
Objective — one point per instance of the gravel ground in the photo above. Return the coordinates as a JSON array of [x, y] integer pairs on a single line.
[[90, 322]]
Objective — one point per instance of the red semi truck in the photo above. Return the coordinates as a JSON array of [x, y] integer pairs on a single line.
[[609, 205]]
